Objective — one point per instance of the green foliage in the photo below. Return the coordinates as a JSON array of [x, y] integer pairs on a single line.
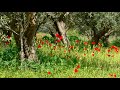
[[116, 42]]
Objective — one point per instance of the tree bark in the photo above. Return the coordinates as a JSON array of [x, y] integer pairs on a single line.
[[61, 28], [25, 39]]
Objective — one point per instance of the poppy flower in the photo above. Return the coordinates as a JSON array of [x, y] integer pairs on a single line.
[[47, 41], [93, 43], [8, 37], [78, 66], [50, 44], [114, 75], [57, 35], [7, 43], [57, 41], [75, 70], [97, 49], [42, 42], [39, 46], [108, 55], [77, 41], [85, 43], [71, 47], [85, 49], [60, 37], [93, 54], [108, 50], [49, 72]]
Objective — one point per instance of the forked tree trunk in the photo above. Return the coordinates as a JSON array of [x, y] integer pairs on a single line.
[[25, 39]]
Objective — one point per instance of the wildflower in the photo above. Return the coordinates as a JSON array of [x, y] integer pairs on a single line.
[[111, 75], [39, 46], [78, 66], [114, 75], [47, 41], [75, 70], [93, 54], [84, 54], [108, 50], [93, 43], [57, 35], [108, 55], [71, 47], [85, 49], [8, 37], [42, 42], [7, 43], [57, 41], [97, 49], [60, 37], [85, 43], [77, 41], [50, 44], [49, 72]]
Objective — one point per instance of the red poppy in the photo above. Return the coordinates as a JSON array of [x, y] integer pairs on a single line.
[[114, 75], [57, 35], [85, 49], [93, 43], [116, 49], [93, 54], [60, 37], [108, 55], [7, 43], [57, 41], [50, 44], [49, 72], [84, 54], [113, 47], [108, 50], [39, 46], [97, 49], [42, 42], [77, 41], [8, 37], [85, 43], [75, 70], [47, 41], [71, 47], [78, 66]]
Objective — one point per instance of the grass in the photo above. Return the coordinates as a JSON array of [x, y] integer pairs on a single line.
[[61, 63]]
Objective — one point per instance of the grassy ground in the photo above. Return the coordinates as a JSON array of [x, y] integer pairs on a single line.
[[59, 62]]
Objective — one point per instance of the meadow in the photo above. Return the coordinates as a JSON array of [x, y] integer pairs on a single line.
[[56, 61]]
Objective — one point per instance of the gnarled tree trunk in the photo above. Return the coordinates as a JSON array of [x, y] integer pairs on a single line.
[[25, 39]]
